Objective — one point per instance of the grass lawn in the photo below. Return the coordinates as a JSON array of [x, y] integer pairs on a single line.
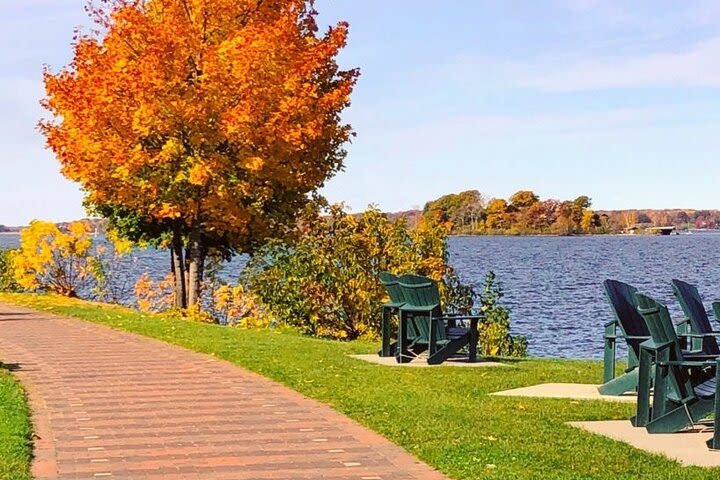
[[442, 415], [15, 430]]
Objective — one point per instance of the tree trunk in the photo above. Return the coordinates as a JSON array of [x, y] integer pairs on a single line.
[[178, 269], [195, 265]]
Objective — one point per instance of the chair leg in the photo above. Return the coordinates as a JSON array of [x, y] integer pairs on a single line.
[[609, 361], [714, 442], [450, 348], [432, 338], [660, 394], [402, 355], [619, 385], [681, 417], [392, 349], [386, 348], [643, 411], [473, 343], [670, 422]]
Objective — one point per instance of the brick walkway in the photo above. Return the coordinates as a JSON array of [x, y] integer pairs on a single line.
[[109, 404]]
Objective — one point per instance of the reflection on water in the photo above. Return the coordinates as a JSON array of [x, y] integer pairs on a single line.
[[553, 285]]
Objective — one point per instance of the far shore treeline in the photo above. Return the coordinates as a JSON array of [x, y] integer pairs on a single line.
[[525, 213]]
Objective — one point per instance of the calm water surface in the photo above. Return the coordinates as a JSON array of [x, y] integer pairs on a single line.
[[553, 285]]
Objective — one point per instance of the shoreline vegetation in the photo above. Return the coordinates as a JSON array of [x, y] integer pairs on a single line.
[[471, 213], [323, 283], [525, 213], [444, 416]]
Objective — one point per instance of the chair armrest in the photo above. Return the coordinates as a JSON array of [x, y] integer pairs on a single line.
[[699, 335], [414, 308], [688, 363], [628, 337], [458, 316], [654, 347], [690, 356], [445, 318], [468, 317], [611, 323]]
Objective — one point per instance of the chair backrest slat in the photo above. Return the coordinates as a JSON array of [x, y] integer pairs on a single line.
[[692, 306], [392, 286], [662, 330], [423, 292], [621, 298], [420, 291]]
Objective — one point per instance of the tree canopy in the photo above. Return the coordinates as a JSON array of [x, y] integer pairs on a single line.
[[212, 122]]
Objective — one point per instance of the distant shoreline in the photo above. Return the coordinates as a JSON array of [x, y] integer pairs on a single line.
[[611, 234]]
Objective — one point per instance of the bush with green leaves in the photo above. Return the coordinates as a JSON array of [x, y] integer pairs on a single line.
[[495, 338], [326, 282]]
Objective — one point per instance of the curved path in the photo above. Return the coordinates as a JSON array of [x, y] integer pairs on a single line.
[[108, 404]]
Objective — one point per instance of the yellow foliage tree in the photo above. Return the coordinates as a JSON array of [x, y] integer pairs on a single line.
[[590, 221], [233, 305], [53, 260]]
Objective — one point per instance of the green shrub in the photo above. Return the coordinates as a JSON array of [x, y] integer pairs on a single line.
[[7, 276], [495, 338], [326, 282]]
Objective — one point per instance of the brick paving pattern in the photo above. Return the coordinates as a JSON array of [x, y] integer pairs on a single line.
[[108, 404]]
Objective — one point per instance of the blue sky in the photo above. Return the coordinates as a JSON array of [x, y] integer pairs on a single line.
[[617, 100]]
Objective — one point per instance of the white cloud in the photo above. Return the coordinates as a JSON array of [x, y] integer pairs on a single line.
[[697, 67]]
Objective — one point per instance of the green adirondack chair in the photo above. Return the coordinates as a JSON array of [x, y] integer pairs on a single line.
[[714, 442], [437, 332], [627, 325], [697, 325], [679, 400], [390, 308]]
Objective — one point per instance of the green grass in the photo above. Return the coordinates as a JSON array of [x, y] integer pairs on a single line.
[[15, 430], [442, 415]]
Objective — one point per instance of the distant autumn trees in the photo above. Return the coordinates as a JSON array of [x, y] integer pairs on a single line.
[[523, 213], [680, 218], [205, 125]]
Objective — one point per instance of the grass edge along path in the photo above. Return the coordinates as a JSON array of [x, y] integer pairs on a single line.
[[15, 429], [441, 415]]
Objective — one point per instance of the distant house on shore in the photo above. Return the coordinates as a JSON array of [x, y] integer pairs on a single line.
[[644, 228]]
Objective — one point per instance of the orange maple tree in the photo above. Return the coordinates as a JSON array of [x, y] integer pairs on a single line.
[[216, 119]]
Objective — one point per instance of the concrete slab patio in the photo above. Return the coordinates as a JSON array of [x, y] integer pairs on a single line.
[[574, 391], [421, 362], [687, 447], [112, 405]]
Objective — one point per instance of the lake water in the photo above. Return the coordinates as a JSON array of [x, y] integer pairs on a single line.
[[553, 285]]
